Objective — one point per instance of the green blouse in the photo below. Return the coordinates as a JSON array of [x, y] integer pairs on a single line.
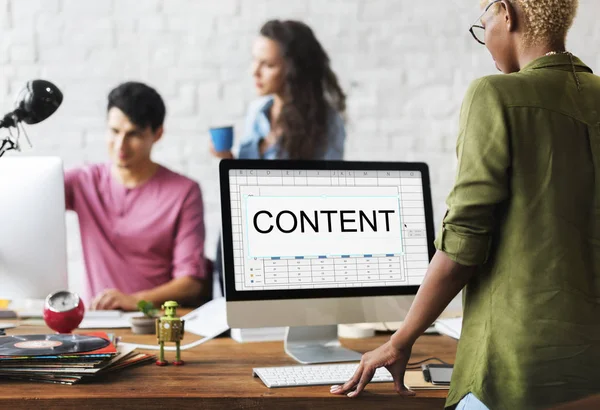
[[525, 208]]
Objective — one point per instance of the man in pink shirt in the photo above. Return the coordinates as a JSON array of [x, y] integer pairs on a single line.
[[142, 227]]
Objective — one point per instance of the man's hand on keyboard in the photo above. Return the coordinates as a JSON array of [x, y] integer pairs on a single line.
[[114, 299], [384, 356]]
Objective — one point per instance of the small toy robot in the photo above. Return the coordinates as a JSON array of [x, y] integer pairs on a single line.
[[169, 328]]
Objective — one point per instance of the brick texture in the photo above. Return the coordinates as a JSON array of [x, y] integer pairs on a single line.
[[405, 66]]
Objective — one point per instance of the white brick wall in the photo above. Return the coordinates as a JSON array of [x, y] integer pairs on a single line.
[[404, 64]]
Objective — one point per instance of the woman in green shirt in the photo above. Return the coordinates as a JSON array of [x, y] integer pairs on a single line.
[[522, 231]]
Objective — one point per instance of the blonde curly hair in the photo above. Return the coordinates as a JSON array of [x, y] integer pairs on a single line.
[[546, 20]]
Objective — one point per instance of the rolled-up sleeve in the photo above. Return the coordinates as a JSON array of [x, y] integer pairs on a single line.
[[188, 253], [482, 179]]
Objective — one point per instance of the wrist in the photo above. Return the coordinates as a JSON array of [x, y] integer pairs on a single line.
[[139, 296], [402, 340]]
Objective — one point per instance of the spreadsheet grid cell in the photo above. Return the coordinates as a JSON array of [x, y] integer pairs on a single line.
[[326, 271]]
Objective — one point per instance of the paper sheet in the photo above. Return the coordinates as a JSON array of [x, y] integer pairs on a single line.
[[449, 327], [107, 319], [209, 320]]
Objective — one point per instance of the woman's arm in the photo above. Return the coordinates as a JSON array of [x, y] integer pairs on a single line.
[[465, 240], [444, 279]]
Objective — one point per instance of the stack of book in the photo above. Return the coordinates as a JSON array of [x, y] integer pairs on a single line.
[[65, 359]]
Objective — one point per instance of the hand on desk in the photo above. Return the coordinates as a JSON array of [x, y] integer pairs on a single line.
[[114, 299], [386, 356]]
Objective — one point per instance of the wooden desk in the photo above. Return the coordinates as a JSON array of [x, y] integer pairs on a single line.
[[217, 375]]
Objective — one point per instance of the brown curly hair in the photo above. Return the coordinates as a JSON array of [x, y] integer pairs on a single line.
[[310, 91]]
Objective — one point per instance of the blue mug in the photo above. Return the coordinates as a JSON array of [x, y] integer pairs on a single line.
[[222, 138]]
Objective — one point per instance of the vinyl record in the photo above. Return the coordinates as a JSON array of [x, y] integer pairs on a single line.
[[48, 345]]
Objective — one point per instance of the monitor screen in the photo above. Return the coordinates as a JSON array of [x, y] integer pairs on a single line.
[[308, 229]]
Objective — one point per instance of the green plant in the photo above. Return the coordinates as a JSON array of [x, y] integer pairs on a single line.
[[147, 308]]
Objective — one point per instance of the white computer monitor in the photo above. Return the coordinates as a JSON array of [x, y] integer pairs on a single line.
[[33, 255], [308, 244]]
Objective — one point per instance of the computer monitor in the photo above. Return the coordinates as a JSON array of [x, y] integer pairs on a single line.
[[33, 255], [313, 243]]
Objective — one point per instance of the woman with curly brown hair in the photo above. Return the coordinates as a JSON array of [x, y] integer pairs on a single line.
[[299, 113], [522, 231]]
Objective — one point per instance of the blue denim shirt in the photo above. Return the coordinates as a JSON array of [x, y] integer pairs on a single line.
[[258, 126]]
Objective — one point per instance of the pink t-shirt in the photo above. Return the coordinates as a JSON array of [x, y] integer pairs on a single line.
[[136, 239]]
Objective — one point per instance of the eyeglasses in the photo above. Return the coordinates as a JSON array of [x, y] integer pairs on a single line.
[[477, 30]]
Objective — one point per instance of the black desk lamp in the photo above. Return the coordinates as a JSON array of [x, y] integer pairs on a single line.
[[35, 102]]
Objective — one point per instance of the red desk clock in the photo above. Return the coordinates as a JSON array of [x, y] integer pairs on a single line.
[[63, 311]]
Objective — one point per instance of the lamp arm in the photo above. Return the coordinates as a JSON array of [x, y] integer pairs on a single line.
[[7, 145]]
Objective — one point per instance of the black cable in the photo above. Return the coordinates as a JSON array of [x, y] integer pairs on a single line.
[[416, 365]]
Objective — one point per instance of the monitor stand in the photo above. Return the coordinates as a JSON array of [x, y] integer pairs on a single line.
[[317, 344]]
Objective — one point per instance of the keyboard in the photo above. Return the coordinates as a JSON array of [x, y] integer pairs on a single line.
[[314, 375]]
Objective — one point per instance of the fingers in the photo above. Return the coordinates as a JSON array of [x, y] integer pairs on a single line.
[[105, 301], [357, 383], [112, 303], [220, 154], [366, 377], [399, 386], [349, 385], [96, 302], [385, 355]]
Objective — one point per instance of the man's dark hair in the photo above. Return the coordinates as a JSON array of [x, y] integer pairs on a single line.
[[141, 103]]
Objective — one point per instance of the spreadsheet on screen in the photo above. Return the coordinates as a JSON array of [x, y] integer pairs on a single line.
[[307, 229]]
